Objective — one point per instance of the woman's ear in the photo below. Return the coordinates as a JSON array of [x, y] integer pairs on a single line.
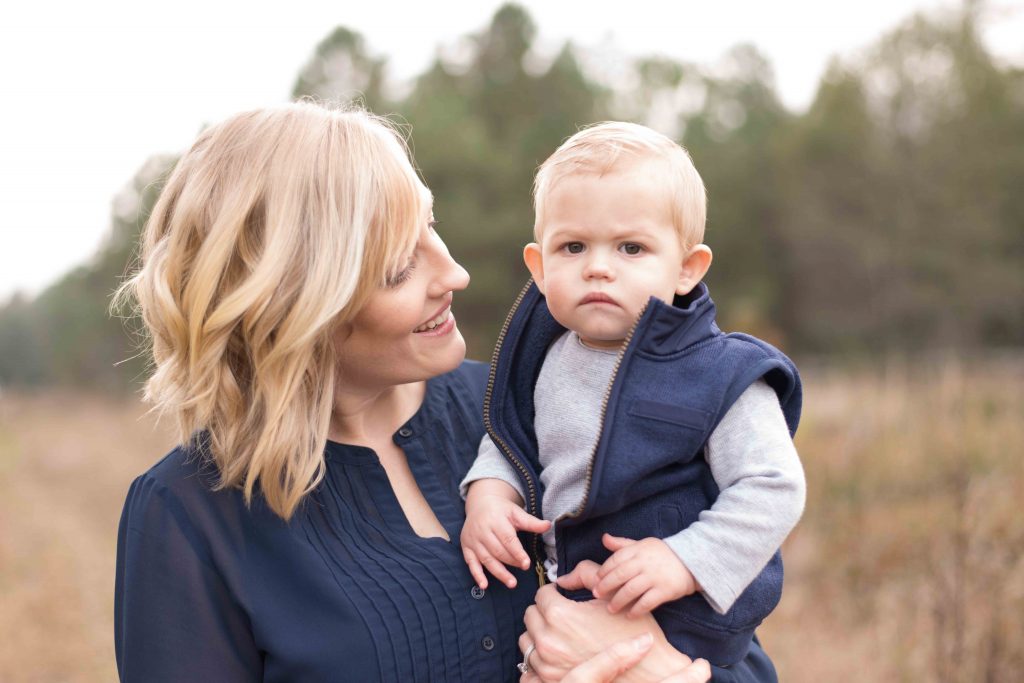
[[695, 267], [535, 263]]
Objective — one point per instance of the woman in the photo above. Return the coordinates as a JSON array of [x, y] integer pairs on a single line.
[[300, 307]]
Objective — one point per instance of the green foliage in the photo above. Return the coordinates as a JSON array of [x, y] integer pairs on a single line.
[[67, 335], [341, 70], [886, 217]]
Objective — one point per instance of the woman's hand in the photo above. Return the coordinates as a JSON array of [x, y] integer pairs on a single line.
[[569, 634], [605, 666]]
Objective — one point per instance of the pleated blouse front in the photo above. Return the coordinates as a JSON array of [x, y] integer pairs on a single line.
[[208, 589]]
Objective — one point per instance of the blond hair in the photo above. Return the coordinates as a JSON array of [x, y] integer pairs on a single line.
[[271, 231], [611, 146]]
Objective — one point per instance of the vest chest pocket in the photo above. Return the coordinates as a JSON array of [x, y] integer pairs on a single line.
[[663, 434], [684, 416]]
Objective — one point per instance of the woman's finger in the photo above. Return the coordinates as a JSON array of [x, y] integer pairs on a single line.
[[548, 601], [698, 672], [583, 575], [606, 665]]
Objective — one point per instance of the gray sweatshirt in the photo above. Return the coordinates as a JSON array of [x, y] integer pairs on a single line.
[[750, 453]]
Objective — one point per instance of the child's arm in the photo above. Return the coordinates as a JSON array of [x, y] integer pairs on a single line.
[[494, 515], [762, 492], [757, 470]]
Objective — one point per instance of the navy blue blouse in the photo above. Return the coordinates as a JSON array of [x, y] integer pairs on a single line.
[[210, 590]]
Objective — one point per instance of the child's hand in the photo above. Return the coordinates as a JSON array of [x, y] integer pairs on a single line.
[[643, 574], [494, 514]]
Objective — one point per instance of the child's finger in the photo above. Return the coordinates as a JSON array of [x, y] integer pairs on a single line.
[[614, 543], [501, 544], [616, 578], [618, 558], [629, 593], [608, 566], [475, 569], [647, 602], [524, 521], [511, 545], [498, 571]]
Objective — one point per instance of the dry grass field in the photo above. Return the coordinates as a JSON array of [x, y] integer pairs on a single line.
[[907, 566]]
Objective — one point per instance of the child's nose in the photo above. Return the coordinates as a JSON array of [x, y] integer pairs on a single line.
[[597, 267]]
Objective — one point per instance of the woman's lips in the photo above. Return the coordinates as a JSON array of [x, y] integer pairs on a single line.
[[440, 330], [440, 315], [437, 321]]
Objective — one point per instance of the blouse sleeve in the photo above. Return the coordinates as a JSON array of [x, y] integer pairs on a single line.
[[175, 618]]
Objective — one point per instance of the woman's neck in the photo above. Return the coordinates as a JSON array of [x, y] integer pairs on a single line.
[[367, 417]]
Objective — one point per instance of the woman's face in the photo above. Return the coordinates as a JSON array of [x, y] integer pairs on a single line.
[[406, 332]]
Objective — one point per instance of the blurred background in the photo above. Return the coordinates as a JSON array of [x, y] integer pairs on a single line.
[[871, 225]]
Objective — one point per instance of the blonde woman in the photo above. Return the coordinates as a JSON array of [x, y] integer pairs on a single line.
[[300, 307]]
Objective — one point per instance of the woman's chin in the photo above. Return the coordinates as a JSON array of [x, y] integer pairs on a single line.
[[456, 353], [443, 353]]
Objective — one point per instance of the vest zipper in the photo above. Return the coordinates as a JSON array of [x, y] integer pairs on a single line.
[[531, 502], [600, 424]]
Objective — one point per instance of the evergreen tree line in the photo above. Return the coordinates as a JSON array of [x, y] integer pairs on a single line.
[[888, 217]]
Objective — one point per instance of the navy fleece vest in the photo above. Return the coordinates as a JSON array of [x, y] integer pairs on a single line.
[[676, 379]]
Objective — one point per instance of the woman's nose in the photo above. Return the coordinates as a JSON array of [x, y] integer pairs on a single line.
[[450, 276]]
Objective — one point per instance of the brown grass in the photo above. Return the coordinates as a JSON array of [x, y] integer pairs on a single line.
[[65, 465], [909, 562], [907, 566]]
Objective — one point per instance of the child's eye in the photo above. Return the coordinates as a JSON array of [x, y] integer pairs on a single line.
[[573, 247], [631, 248]]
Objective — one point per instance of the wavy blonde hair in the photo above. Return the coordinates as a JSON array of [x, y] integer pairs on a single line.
[[605, 147], [272, 230]]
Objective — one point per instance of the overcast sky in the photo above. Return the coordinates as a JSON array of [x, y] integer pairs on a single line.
[[90, 90]]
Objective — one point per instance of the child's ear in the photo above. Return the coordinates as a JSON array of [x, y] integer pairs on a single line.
[[695, 267], [535, 263]]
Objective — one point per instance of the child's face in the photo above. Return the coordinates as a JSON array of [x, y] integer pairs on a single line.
[[608, 244]]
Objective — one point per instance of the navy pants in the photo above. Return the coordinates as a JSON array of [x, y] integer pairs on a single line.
[[754, 668]]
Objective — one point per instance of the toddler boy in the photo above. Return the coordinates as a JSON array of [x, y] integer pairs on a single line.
[[619, 412]]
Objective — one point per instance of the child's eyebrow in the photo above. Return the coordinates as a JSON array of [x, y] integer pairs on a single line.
[[575, 232]]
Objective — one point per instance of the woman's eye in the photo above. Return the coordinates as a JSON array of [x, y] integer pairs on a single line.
[[401, 276], [574, 247], [631, 248]]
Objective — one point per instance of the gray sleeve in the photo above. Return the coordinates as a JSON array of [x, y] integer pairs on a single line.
[[762, 491], [490, 463]]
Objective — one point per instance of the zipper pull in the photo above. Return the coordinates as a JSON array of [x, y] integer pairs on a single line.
[[542, 576]]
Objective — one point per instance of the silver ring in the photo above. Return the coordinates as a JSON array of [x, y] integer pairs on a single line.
[[524, 666]]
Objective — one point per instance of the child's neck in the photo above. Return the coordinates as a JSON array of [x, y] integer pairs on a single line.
[[609, 346]]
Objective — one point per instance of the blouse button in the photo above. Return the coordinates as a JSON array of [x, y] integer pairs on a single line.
[[405, 431], [487, 643], [477, 592]]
